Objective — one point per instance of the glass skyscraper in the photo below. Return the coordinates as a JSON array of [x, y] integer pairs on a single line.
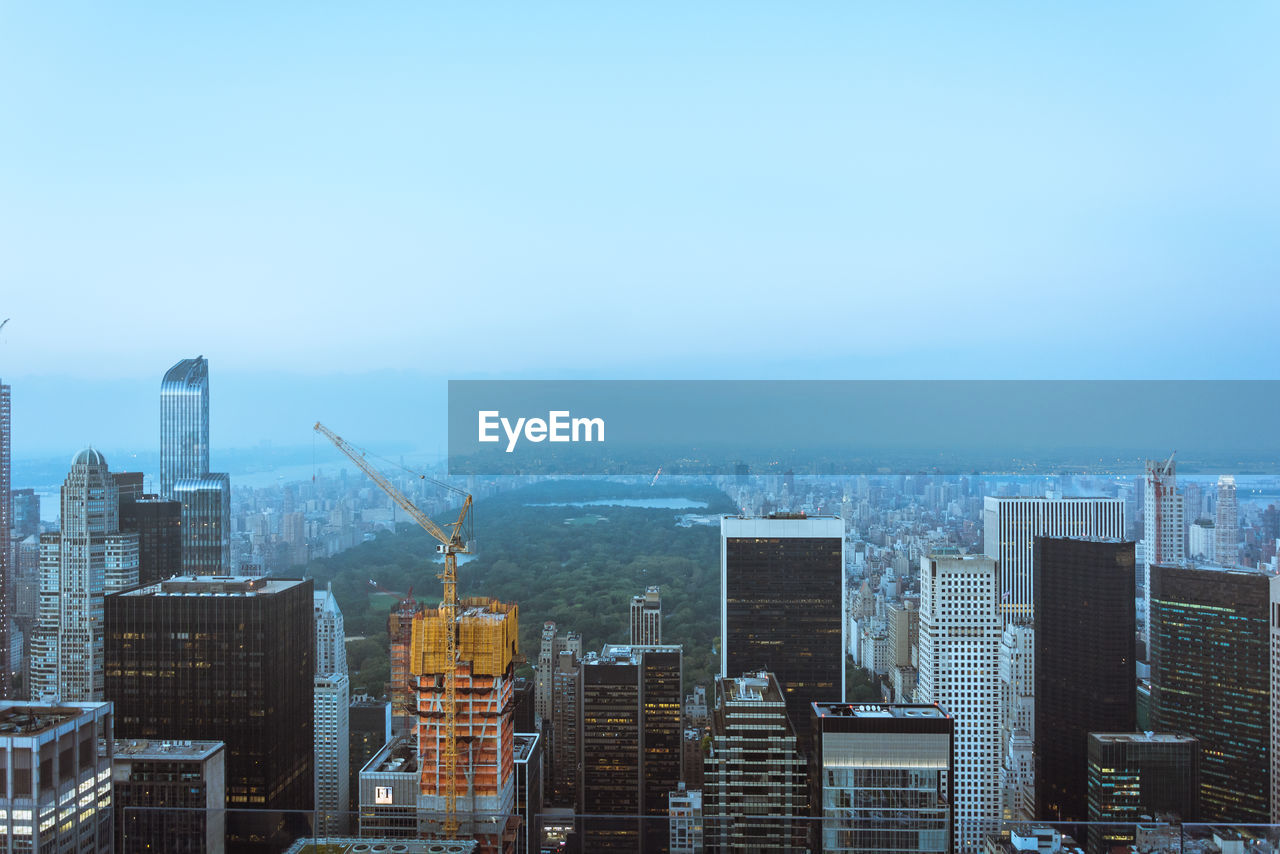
[[184, 423], [184, 468]]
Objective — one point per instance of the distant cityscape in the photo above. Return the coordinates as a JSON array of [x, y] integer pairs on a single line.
[[904, 663]]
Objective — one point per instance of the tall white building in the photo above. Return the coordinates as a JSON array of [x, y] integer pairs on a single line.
[[333, 753], [1227, 530], [86, 559], [1017, 721], [1202, 541], [331, 647], [332, 697], [1162, 539], [1011, 524], [646, 618], [960, 632]]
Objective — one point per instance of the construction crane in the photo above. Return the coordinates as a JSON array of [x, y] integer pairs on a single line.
[[451, 543]]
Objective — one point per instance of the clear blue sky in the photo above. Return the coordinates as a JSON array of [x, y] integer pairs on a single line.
[[739, 189]]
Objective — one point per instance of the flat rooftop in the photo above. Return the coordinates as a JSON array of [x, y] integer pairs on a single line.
[[216, 585], [880, 710], [753, 687], [400, 756], [625, 653], [1142, 738], [142, 748], [33, 718], [523, 745], [354, 845]]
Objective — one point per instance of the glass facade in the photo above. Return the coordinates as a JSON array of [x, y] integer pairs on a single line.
[[184, 423], [881, 778], [1085, 680], [783, 587], [1210, 679], [206, 513], [1133, 775], [230, 660]]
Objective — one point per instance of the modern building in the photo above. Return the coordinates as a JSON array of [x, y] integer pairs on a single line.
[[76, 567], [26, 507], [631, 746], [1011, 524], [389, 791], [390, 844], [57, 778], [332, 710], [1202, 541], [960, 632], [528, 759], [370, 725], [882, 778], [782, 606], [184, 423], [1017, 722], [526, 720], [158, 524], [332, 690], [564, 767], [1162, 533], [206, 518], [169, 796], [184, 469], [228, 659], [684, 823], [404, 705], [646, 617], [1137, 776], [1211, 679], [1227, 530], [6, 525], [484, 779], [1085, 676], [755, 790]]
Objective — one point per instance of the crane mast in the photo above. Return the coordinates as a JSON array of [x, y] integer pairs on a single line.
[[450, 544]]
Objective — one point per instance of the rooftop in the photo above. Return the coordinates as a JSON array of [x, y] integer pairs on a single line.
[[216, 585], [33, 718], [142, 748], [880, 710], [523, 745], [353, 845], [1142, 738], [753, 687], [400, 756]]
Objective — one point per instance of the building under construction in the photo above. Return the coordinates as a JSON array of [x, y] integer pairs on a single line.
[[484, 723], [400, 628]]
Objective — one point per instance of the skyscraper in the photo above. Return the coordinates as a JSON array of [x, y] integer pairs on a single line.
[[1017, 721], [1136, 775], [158, 524], [184, 423], [332, 717], [1084, 670], [1162, 533], [228, 659], [646, 617], [565, 728], [755, 794], [960, 632], [184, 469], [6, 547], [631, 746], [883, 778], [78, 566], [1011, 524], [782, 606], [1211, 679], [1227, 529]]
